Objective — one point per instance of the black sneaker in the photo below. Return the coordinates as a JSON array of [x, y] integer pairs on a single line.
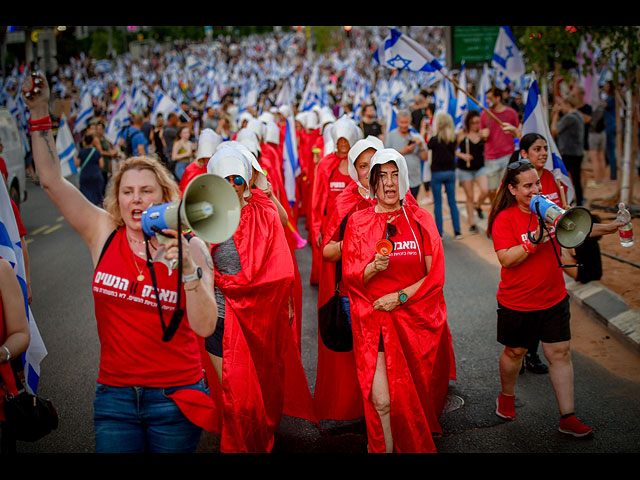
[[533, 363], [473, 229], [479, 212]]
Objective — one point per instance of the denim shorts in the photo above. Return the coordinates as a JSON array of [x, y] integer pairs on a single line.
[[495, 170], [143, 419], [469, 175]]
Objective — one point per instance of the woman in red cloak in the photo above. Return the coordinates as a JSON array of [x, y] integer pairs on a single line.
[[337, 393], [253, 349], [331, 178], [402, 343]]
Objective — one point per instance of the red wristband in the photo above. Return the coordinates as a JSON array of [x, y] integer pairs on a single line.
[[529, 247], [43, 123], [40, 121]]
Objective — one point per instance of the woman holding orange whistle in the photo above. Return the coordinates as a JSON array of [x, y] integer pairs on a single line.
[[402, 343]]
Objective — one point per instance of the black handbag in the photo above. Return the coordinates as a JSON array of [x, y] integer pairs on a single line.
[[29, 417], [333, 323], [334, 326]]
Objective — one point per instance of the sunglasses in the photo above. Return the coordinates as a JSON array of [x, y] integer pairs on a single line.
[[519, 163]]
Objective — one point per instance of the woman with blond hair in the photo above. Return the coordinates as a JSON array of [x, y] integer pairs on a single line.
[[147, 383], [443, 145]]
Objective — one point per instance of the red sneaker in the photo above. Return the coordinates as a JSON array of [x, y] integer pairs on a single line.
[[572, 426], [505, 407]]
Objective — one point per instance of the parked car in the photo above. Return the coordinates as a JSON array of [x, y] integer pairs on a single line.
[[13, 154]]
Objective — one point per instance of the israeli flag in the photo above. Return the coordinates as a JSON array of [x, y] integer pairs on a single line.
[[507, 59], [164, 104], [442, 95], [119, 119], [11, 250], [461, 103], [485, 85], [291, 160], [66, 148], [85, 112], [214, 96], [400, 52], [536, 122]]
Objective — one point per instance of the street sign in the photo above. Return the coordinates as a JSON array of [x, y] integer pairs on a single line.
[[474, 44]]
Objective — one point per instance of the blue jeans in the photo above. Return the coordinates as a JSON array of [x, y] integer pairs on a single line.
[[448, 179], [143, 419], [345, 306], [179, 169]]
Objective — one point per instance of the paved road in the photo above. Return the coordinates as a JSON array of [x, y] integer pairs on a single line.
[[63, 308]]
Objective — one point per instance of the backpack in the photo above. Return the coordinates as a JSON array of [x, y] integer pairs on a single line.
[[127, 148]]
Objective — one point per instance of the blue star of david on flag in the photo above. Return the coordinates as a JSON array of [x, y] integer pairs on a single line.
[[507, 59], [399, 52]]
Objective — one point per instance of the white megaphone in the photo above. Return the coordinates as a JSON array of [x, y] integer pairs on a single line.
[[572, 226], [209, 207]]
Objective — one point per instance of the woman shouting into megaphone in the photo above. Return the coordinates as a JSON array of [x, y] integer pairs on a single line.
[[532, 298], [139, 372]]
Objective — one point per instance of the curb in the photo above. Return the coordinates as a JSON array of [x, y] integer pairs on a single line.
[[597, 301]]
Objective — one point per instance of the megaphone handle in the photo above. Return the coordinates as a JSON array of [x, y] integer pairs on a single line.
[[163, 240]]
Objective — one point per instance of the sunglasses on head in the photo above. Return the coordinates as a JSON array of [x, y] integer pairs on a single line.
[[519, 163]]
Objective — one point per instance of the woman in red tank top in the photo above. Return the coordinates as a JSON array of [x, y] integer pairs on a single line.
[[156, 380]]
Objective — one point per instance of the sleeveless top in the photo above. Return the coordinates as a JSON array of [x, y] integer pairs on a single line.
[[132, 352]]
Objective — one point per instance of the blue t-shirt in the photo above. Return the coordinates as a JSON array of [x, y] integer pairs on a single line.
[[137, 138]]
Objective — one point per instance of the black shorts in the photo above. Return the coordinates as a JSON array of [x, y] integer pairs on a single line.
[[523, 329], [213, 343]]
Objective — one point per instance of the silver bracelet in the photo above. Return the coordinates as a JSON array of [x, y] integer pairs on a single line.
[[8, 353]]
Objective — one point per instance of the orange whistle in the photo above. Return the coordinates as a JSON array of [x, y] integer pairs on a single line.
[[384, 247]]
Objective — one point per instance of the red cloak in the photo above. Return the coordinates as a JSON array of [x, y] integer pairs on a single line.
[[191, 172], [262, 377], [418, 347], [319, 213], [337, 394]]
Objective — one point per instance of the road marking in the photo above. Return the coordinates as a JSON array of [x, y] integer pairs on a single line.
[[39, 229], [52, 229]]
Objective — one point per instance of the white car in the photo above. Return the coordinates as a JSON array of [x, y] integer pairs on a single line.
[[13, 154]]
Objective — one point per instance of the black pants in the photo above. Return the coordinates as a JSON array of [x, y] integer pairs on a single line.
[[573, 164]]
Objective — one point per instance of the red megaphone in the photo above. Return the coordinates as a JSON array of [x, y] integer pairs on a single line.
[[384, 247]]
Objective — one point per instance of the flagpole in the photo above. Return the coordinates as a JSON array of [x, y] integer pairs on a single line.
[[455, 84]]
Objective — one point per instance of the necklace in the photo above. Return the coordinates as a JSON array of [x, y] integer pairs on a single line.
[[140, 276]]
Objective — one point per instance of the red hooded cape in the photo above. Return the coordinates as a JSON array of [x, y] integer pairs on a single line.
[[262, 377], [337, 394], [272, 163], [319, 213], [418, 347]]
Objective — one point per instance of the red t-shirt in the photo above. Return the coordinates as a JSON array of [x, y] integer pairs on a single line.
[[499, 143], [536, 283], [406, 262], [132, 352], [550, 188]]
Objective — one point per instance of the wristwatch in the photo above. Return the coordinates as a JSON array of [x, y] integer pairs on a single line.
[[402, 297], [197, 275]]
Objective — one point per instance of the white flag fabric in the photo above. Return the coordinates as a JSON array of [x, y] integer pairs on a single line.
[[11, 250], [462, 102], [535, 122], [164, 104], [291, 161], [400, 52], [119, 119], [85, 112], [507, 59], [66, 148]]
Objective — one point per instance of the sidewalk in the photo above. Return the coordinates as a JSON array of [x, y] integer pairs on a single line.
[[597, 301]]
